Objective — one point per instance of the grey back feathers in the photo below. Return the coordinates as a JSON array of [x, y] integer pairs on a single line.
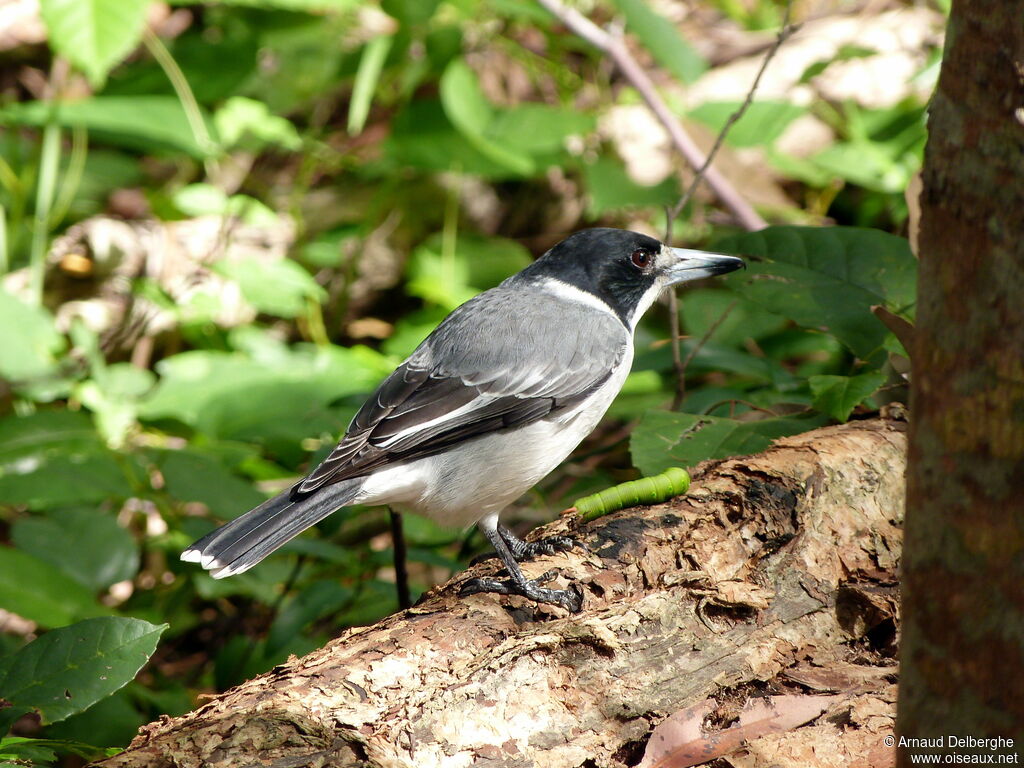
[[505, 358]]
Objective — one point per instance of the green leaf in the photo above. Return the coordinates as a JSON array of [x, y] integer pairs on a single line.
[[34, 589], [827, 279], [475, 264], [666, 439], [761, 124], [538, 128], [33, 351], [410, 12], [609, 188], [281, 288], [112, 394], [147, 123], [310, 6], [85, 544], [288, 399], [423, 137], [94, 35], [43, 750], [193, 476], [663, 40], [839, 395], [248, 124], [730, 320], [314, 602], [24, 438], [470, 112], [69, 669], [370, 65], [55, 478]]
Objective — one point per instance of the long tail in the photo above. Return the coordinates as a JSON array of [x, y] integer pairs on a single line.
[[246, 540]]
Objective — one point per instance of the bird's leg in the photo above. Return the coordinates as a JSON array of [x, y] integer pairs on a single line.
[[401, 564], [571, 599], [549, 545]]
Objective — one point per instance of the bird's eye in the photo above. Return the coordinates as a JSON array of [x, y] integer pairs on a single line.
[[641, 259]]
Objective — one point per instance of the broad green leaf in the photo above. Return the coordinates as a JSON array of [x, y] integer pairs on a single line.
[[370, 65], [112, 394], [609, 188], [43, 750], [827, 279], [410, 12], [23, 438], [317, 600], [839, 395], [729, 319], [663, 40], [476, 263], [470, 112], [94, 35], [202, 199], [56, 478], [201, 388], [248, 124], [665, 439], [148, 123], [310, 6], [538, 128], [867, 164], [193, 476], [281, 288], [113, 720], [761, 124], [34, 589], [464, 101], [86, 544], [216, 68], [422, 136], [67, 670], [33, 351]]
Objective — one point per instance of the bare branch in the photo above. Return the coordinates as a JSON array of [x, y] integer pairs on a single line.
[[616, 49]]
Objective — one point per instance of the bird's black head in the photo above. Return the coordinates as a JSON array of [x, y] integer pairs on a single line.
[[625, 270]]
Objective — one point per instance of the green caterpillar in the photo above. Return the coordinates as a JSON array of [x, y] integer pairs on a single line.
[[647, 490]]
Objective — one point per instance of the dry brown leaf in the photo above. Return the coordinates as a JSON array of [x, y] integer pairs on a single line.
[[681, 741]]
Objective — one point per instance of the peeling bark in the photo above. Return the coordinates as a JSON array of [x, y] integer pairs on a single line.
[[773, 575]]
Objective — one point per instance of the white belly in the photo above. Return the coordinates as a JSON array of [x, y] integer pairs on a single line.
[[483, 476]]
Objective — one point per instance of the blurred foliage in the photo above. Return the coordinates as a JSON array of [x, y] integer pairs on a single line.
[[343, 174]]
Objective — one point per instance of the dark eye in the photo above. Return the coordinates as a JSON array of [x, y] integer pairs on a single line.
[[641, 259]]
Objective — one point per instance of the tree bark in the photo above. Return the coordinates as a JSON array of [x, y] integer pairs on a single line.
[[775, 574], [962, 660]]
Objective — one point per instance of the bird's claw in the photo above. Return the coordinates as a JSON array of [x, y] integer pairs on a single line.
[[571, 598]]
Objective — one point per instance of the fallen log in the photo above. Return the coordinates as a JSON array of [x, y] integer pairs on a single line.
[[774, 575]]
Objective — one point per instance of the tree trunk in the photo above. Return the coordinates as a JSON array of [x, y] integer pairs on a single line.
[[774, 575], [962, 660]]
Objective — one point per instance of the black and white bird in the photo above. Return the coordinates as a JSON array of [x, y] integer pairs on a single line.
[[493, 400]]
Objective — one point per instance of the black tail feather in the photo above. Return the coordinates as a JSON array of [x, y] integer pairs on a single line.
[[246, 540]]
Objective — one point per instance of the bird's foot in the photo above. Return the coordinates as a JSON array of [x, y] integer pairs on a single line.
[[571, 599], [550, 545]]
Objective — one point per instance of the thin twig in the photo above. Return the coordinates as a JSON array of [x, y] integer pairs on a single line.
[[681, 370], [680, 366], [616, 49], [784, 33]]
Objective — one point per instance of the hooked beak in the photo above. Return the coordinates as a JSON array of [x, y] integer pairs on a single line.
[[693, 265]]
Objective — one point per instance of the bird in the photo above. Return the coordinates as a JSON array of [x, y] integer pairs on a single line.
[[495, 398]]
